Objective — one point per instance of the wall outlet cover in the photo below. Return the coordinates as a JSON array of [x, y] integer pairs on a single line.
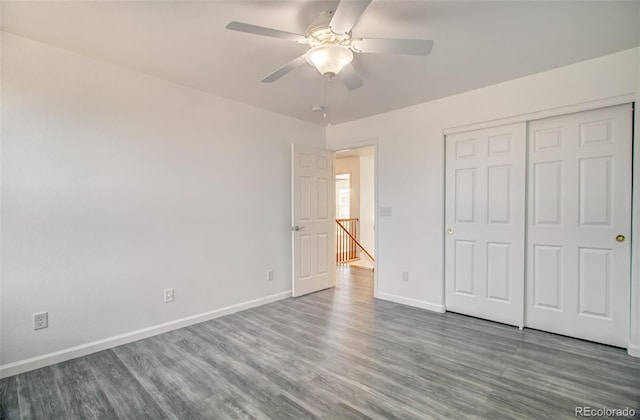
[[168, 295], [40, 320]]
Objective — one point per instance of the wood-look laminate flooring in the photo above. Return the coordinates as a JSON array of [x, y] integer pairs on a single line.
[[335, 354]]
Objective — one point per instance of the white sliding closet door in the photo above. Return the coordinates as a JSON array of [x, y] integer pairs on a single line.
[[578, 247], [485, 220]]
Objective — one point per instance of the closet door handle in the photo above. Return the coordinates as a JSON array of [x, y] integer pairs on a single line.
[[450, 231], [620, 238]]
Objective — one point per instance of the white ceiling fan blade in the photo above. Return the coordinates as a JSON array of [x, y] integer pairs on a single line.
[[350, 77], [394, 46], [261, 30], [347, 14], [291, 65]]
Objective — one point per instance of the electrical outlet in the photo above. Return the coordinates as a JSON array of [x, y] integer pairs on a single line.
[[385, 211], [405, 276], [40, 320], [270, 275], [168, 295]]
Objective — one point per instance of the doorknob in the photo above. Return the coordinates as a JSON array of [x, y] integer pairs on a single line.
[[450, 231], [297, 228], [620, 238]]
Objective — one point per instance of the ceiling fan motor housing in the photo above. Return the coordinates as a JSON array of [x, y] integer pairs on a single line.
[[321, 22], [319, 32], [330, 51]]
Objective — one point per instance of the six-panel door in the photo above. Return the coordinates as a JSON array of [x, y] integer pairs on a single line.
[[313, 221], [485, 221], [578, 273]]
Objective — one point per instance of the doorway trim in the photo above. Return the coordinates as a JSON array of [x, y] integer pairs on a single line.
[[356, 145], [552, 112]]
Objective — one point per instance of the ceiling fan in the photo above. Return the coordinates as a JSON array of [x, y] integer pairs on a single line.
[[332, 44]]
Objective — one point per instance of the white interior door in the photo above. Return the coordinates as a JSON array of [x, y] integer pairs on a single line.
[[485, 220], [313, 223], [578, 274]]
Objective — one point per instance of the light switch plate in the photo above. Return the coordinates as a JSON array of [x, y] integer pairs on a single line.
[[385, 211]]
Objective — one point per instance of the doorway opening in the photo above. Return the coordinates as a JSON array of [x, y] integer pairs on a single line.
[[355, 210], [343, 196]]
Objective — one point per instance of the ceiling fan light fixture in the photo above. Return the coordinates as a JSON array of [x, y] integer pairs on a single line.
[[329, 59]]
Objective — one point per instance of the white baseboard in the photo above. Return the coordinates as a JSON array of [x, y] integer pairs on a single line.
[[26, 365], [633, 350], [434, 307]]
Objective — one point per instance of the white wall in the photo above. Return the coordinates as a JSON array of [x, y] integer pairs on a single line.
[[117, 185], [411, 162], [367, 209]]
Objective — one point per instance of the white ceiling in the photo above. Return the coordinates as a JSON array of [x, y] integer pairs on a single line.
[[477, 43]]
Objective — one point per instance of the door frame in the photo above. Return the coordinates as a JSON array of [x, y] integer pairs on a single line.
[[633, 347], [356, 145]]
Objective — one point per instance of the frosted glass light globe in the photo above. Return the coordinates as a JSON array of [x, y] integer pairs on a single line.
[[329, 59]]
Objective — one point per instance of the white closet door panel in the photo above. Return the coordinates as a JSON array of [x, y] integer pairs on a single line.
[[485, 196], [578, 275]]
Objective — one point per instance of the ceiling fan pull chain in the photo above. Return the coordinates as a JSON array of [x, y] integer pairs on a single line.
[[326, 101]]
